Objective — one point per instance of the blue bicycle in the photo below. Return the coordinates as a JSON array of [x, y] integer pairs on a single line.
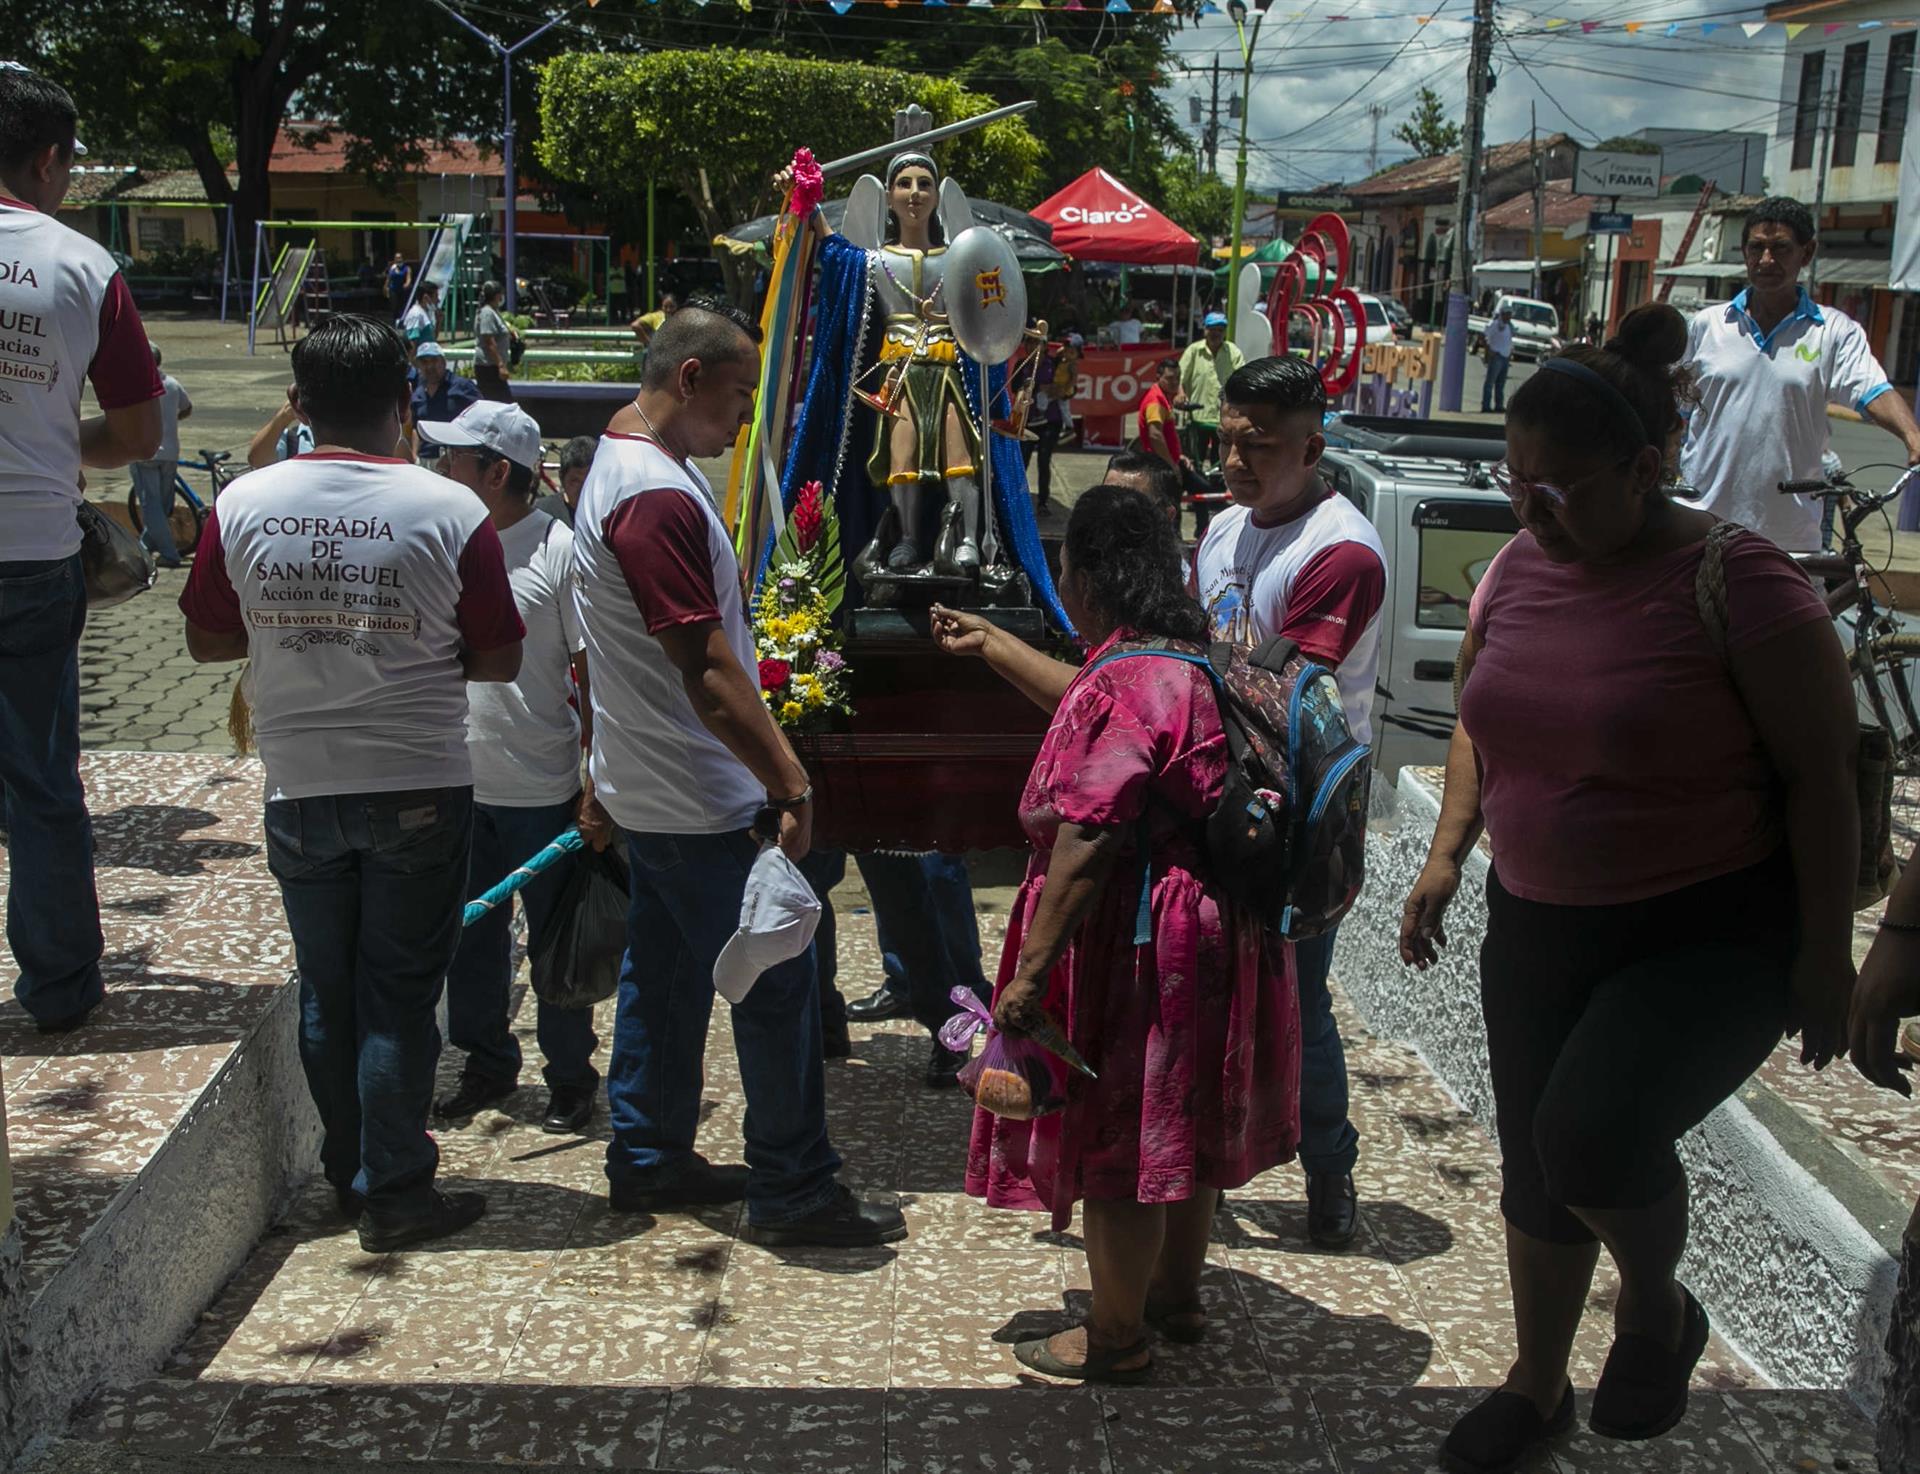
[[189, 514]]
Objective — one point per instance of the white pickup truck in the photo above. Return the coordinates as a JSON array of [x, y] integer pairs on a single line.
[[1424, 485], [1536, 326]]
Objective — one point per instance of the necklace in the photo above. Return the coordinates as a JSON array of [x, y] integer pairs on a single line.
[[922, 306], [659, 439]]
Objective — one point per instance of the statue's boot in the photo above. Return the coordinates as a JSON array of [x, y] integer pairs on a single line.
[[912, 548], [872, 560], [958, 553]]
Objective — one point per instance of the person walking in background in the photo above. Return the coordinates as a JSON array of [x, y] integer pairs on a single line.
[[399, 279], [1052, 401], [685, 759], [1291, 557], [283, 437], [648, 323], [523, 737], [1193, 1033], [1658, 911], [492, 345], [439, 395], [1204, 368], [576, 459], [1498, 341], [940, 904], [360, 718], [1765, 367], [1158, 434], [85, 326], [420, 323], [153, 480]]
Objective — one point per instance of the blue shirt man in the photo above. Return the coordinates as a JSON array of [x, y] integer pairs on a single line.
[[439, 394]]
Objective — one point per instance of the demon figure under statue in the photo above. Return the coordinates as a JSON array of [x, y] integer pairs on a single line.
[[896, 421]]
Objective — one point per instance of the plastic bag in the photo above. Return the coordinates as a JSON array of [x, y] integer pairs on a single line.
[[579, 961], [114, 563], [1013, 1076]]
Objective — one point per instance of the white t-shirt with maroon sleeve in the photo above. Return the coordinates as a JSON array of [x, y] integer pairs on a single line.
[[1320, 580], [358, 581], [649, 553], [65, 315]]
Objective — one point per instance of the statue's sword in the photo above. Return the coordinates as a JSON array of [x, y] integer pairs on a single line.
[[922, 140]]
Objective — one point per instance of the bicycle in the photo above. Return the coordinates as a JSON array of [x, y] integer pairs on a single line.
[[1886, 657], [189, 515]]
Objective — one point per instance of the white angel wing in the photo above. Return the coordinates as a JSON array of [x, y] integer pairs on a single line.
[[866, 219], [956, 211]]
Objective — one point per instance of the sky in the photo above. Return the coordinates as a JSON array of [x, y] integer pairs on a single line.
[[1317, 81]]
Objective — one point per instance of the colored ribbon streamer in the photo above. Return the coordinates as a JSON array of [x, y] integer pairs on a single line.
[[564, 845]]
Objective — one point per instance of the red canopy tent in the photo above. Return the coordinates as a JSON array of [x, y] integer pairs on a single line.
[[1097, 218]]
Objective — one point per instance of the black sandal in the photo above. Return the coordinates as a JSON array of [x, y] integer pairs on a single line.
[[1498, 1434], [1642, 1391], [1185, 1323], [1100, 1366]]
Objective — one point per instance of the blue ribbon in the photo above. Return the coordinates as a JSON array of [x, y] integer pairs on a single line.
[[563, 846]]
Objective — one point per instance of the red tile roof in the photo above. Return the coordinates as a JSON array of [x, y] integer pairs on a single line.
[[319, 148], [1560, 208], [1419, 175]]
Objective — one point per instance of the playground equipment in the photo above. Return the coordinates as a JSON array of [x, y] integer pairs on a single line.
[[297, 275]]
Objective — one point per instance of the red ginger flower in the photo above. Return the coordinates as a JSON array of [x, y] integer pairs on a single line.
[[809, 184], [808, 517]]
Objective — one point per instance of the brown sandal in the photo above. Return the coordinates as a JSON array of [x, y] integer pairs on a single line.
[[1100, 1366]]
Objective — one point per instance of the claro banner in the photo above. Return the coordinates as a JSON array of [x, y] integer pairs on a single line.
[[1111, 383]]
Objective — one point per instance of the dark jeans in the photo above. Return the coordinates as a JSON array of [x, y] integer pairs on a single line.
[[480, 982], [824, 869], [373, 885], [1047, 441], [1328, 1142], [923, 909], [492, 385], [53, 912], [1493, 389], [1614, 1030], [687, 890]]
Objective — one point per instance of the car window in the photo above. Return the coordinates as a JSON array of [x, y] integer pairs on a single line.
[[1376, 314], [1534, 312], [1458, 540]]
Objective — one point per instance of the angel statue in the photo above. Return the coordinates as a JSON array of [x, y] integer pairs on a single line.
[[895, 420]]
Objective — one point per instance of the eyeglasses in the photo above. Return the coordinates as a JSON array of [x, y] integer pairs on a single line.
[[1515, 488]]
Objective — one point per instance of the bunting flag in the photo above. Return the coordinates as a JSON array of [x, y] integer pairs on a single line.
[[1753, 27], [1795, 30]]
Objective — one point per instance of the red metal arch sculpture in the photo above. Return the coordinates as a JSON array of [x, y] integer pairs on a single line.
[[1328, 245]]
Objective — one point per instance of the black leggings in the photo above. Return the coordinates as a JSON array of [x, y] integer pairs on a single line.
[[1613, 1030]]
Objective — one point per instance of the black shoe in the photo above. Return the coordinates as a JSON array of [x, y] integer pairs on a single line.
[[351, 1203], [1333, 1210], [842, 1222], [883, 1003], [444, 1213], [835, 1042], [569, 1110], [65, 1024], [1498, 1434], [943, 1070], [1642, 1391], [474, 1094], [692, 1187]]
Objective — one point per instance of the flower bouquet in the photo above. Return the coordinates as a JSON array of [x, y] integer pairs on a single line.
[[803, 676]]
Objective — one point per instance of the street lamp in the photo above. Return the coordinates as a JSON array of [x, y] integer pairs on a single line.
[[1237, 9], [506, 54]]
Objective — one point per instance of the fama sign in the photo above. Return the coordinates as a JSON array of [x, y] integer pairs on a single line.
[[1614, 175]]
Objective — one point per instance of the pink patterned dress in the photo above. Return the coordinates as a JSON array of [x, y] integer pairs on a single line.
[[1195, 1037]]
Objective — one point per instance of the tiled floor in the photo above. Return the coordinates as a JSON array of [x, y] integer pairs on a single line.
[[558, 1333]]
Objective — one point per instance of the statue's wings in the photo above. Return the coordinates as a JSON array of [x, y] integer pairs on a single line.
[[866, 219], [956, 211]]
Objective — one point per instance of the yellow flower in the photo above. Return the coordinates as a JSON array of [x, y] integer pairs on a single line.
[[791, 711], [815, 697]]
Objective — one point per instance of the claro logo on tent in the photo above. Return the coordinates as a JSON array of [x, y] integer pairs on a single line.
[[1125, 215]]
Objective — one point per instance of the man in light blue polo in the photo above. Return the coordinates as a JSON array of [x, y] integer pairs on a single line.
[[1767, 365]]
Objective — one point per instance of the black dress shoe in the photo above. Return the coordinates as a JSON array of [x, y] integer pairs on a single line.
[[842, 1222], [66, 1023], [943, 1070], [697, 1186], [1333, 1209], [474, 1094], [1498, 1434], [443, 1213], [351, 1203], [883, 1003], [569, 1110], [1642, 1391]]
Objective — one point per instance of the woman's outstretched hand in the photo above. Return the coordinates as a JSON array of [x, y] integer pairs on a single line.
[[958, 633], [1422, 922]]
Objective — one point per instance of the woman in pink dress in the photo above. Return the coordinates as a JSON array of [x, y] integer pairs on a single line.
[[1194, 1036]]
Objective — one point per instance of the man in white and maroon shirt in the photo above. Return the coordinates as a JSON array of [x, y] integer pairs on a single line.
[[366, 592], [685, 759], [1294, 559], [65, 315]]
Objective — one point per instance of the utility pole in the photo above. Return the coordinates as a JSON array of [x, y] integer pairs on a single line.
[[1238, 10], [1453, 370], [1213, 124], [1375, 112], [1827, 101], [1539, 193]]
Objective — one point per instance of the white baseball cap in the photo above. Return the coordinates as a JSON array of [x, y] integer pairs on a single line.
[[778, 915], [505, 429]]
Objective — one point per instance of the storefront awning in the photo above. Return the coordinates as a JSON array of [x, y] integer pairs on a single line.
[[1703, 270], [1853, 271]]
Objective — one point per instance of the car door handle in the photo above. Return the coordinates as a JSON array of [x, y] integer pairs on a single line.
[[1433, 670]]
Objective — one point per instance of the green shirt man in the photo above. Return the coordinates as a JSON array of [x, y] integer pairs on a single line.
[[1205, 368]]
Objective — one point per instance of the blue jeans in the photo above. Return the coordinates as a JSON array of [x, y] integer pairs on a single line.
[[153, 480], [480, 982], [1493, 389], [53, 912], [824, 869], [686, 906], [1328, 1142], [923, 909], [373, 884]]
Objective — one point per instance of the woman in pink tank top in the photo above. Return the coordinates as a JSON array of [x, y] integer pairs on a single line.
[[1674, 841]]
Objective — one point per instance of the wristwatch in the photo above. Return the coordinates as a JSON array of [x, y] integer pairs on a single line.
[[792, 805]]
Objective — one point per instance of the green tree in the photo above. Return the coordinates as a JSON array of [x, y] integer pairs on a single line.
[[1426, 130], [1200, 202], [213, 80], [716, 125]]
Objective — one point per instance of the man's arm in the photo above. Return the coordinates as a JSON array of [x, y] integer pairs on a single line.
[[209, 647], [215, 629], [1891, 412], [127, 384], [117, 436], [264, 449], [1333, 600], [488, 620]]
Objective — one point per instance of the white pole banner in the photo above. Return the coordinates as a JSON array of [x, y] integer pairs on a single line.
[[1906, 227]]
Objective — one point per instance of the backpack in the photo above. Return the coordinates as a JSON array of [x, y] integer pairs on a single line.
[[1288, 839]]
